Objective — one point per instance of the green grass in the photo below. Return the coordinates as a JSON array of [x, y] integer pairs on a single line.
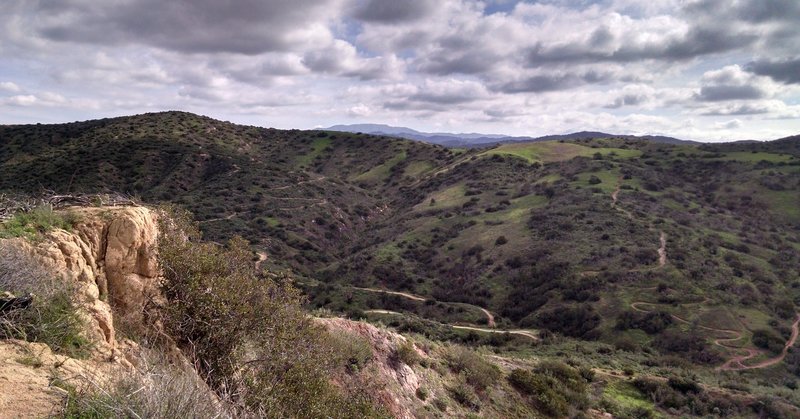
[[39, 220], [756, 157], [783, 203], [417, 168], [626, 396], [449, 197], [553, 151], [317, 147], [382, 171]]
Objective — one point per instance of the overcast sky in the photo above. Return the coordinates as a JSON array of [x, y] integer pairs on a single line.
[[696, 69]]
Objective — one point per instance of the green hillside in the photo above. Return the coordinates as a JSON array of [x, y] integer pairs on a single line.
[[639, 256]]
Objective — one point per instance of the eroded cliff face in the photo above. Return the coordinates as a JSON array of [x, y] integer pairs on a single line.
[[110, 257]]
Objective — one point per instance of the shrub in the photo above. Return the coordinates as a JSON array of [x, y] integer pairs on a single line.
[[155, 390], [767, 339], [501, 241], [405, 353], [248, 334], [543, 389], [464, 396], [479, 373]]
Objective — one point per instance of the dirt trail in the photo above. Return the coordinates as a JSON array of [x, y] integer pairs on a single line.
[[280, 188], [616, 192], [527, 333], [489, 316], [261, 258], [402, 294], [735, 362], [227, 217]]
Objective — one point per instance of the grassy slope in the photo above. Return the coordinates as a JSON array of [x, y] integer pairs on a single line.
[[349, 209]]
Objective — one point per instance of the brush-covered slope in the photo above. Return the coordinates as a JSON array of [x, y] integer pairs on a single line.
[[671, 251]]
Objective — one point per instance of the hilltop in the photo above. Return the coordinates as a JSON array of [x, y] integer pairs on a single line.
[[486, 140], [632, 255]]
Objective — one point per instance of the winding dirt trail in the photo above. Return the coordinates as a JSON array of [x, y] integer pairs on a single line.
[[489, 316], [735, 362], [402, 294], [520, 332]]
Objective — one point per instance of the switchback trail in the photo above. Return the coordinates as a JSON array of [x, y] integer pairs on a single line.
[[736, 362], [520, 332], [489, 316]]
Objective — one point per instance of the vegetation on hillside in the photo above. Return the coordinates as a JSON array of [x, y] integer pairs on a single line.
[[640, 257]]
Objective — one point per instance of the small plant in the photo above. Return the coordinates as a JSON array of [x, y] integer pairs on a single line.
[[39, 220], [422, 393], [465, 396], [406, 354], [477, 372]]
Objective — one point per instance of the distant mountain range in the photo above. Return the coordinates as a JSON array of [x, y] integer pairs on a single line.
[[480, 140]]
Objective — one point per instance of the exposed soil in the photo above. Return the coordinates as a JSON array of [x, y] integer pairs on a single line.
[[662, 249]]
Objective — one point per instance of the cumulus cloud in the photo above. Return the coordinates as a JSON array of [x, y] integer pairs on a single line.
[[732, 83], [393, 11], [10, 87], [493, 66], [250, 27], [786, 70]]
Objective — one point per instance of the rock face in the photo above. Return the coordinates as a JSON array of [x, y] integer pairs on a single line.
[[111, 257], [401, 380]]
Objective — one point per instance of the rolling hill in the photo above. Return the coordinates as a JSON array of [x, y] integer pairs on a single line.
[[640, 253]]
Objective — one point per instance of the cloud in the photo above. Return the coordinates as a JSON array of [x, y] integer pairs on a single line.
[[632, 95], [731, 83], [604, 46], [732, 124], [786, 70], [197, 26], [10, 87], [552, 82], [394, 11]]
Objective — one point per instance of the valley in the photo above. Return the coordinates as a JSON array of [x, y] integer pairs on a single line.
[[617, 253]]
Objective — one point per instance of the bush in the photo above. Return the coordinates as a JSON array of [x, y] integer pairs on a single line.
[[155, 390], [543, 390], [767, 339], [405, 353], [464, 396], [248, 334], [478, 373], [501, 241]]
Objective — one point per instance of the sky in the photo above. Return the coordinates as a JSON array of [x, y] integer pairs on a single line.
[[709, 70]]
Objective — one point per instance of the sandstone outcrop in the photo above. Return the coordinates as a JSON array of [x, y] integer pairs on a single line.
[[110, 256]]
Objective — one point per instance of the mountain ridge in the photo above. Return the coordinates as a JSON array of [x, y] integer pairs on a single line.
[[485, 140]]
